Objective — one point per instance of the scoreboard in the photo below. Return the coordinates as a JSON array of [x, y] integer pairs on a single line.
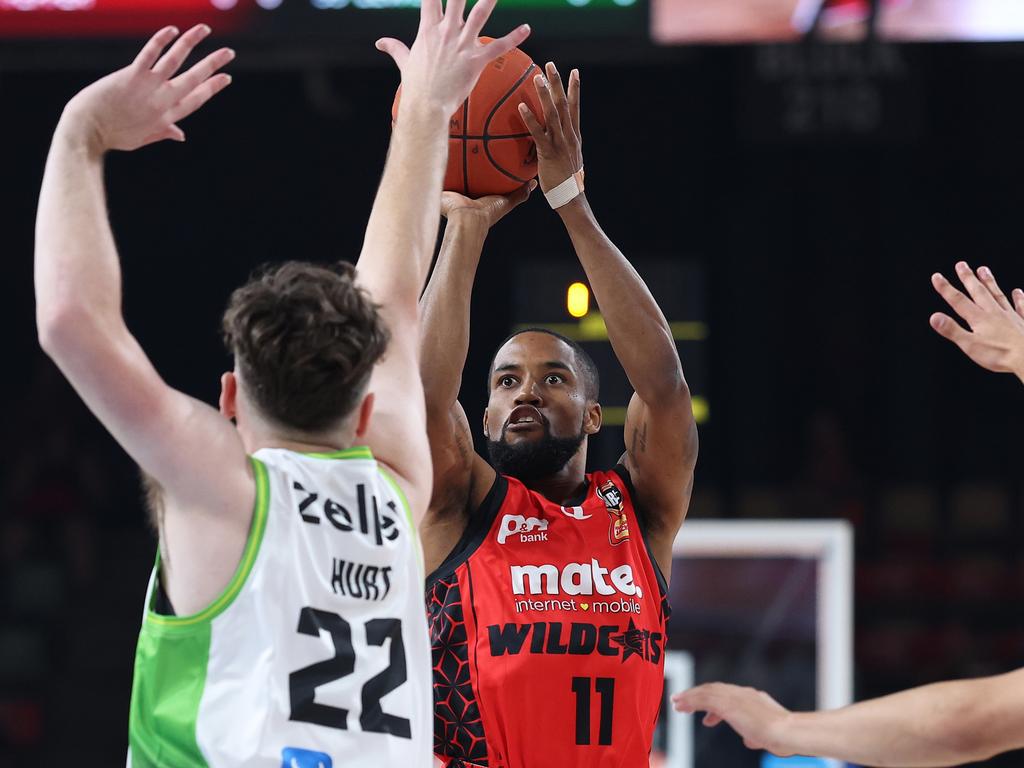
[[299, 22]]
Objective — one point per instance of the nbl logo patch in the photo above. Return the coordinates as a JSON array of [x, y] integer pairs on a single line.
[[618, 528], [294, 757]]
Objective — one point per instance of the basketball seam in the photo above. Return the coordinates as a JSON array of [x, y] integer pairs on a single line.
[[490, 117]]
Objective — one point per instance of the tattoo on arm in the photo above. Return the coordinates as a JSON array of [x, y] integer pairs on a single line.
[[464, 449], [639, 440]]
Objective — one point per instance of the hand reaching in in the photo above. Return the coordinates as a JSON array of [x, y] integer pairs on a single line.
[[559, 143], [447, 57], [753, 714], [995, 340], [143, 102], [488, 210]]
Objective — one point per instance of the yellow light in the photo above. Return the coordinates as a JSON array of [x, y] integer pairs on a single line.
[[577, 300], [701, 409]]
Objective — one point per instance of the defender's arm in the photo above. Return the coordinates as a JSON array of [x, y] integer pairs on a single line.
[[191, 451], [949, 723], [438, 73]]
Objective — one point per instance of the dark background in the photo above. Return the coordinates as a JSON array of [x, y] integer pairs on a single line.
[[816, 187]]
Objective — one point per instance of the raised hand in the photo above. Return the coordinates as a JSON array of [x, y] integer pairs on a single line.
[[488, 210], [143, 102], [447, 57], [559, 144], [753, 714], [995, 340]]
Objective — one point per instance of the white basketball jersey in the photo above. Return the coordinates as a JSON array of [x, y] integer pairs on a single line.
[[317, 654]]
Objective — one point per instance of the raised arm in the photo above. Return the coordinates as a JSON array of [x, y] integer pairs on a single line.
[[661, 435], [461, 477], [192, 451], [995, 340], [438, 73], [950, 723]]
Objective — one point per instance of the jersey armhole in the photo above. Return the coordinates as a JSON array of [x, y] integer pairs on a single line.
[[480, 523], [641, 518], [397, 489], [252, 547]]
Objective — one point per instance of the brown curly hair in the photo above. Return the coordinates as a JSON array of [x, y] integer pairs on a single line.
[[305, 339]]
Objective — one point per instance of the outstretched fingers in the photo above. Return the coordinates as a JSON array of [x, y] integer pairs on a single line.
[[989, 281], [532, 124], [200, 72], [960, 303], [558, 97], [503, 45], [973, 285], [172, 132], [698, 699], [950, 329], [1018, 301], [171, 61], [430, 13], [396, 49], [551, 122], [454, 10], [478, 16], [154, 47], [198, 96], [574, 101]]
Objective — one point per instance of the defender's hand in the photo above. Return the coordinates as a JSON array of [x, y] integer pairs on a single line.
[[447, 57], [559, 144], [996, 338], [753, 714], [488, 210], [142, 103]]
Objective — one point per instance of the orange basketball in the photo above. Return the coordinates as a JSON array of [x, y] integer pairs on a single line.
[[490, 152]]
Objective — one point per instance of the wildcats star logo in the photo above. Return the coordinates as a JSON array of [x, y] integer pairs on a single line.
[[618, 530], [641, 643]]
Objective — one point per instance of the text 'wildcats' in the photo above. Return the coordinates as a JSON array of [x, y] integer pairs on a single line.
[[580, 640]]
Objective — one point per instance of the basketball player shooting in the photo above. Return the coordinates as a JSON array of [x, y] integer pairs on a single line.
[[286, 600], [547, 589], [950, 723]]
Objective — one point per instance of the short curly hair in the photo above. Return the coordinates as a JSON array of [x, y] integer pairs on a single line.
[[305, 339]]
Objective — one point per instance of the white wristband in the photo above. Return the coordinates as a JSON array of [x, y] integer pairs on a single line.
[[567, 191]]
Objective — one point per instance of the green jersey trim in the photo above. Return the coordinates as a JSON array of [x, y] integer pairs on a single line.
[[400, 493], [356, 452], [252, 548], [408, 511], [170, 677]]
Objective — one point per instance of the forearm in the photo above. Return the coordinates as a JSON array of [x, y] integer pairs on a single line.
[[403, 223], [77, 274], [637, 329], [445, 310], [934, 725]]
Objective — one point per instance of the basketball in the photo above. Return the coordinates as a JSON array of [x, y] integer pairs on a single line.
[[490, 152]]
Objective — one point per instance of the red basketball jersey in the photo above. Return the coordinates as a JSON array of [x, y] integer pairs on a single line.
[[548, 632]]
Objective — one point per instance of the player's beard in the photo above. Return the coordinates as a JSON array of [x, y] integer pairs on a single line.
[[531, 460]]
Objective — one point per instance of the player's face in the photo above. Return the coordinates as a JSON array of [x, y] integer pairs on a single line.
[[535, 391]]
